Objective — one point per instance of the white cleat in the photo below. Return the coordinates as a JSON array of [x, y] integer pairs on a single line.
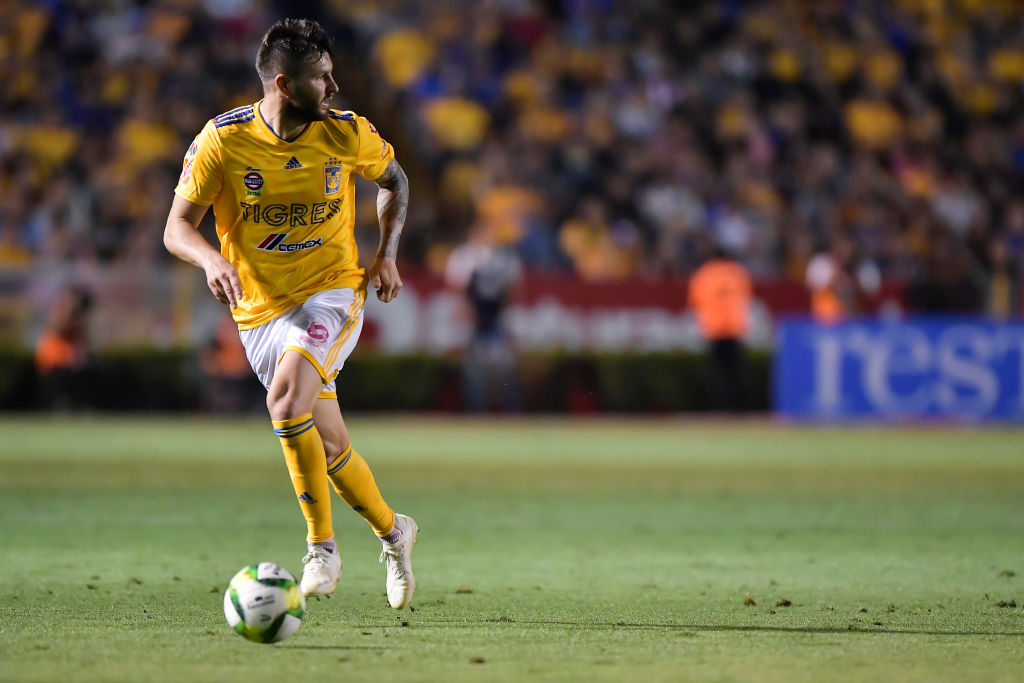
[[322, 571], [397, 559]]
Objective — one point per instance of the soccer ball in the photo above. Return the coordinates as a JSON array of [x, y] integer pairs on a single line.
[[263, 603]]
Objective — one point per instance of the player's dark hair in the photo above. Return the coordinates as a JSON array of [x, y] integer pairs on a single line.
[[289, 44]]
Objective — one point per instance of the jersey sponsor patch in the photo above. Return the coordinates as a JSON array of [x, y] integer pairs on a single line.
[[253, 180], [275, 242], [186, 165]]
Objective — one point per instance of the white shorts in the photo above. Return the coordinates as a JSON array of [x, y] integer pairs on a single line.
[[324, 329]]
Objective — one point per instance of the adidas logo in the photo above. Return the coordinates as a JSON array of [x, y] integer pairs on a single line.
[[293, 163], [306, 498]]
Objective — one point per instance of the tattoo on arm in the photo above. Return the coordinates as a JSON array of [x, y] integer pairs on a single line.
[[392, 203]]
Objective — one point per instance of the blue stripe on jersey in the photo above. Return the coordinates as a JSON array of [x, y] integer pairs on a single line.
[[233, 112], [244, 112], [239, 115], [342, 116], [250, 117]]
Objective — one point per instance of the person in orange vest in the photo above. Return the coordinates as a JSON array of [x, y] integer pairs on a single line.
[[719, 294], [231, 387], [62, 357]]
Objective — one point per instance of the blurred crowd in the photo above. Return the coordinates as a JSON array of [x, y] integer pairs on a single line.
[[817, 141], [99, 101]]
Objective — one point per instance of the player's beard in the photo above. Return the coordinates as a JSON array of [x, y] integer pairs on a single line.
[[306, 111]]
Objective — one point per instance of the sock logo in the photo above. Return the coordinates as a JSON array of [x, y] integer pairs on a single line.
[[306, 498]]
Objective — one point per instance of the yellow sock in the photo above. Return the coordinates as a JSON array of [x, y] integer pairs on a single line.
[[354, 482], [307, 466]]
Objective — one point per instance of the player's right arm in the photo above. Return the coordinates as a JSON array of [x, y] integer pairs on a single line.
[[198, 186], [183, 239]]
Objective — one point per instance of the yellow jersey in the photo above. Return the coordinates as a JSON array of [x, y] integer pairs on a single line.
[[284, 210]]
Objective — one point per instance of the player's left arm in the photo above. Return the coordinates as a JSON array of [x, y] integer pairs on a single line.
[[392, 204]]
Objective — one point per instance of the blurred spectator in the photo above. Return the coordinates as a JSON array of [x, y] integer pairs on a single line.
[[840, 283], [230, 385], [599, 248], [486, 276], [720, 292], [952, 282], [1003, 291], [62, 358]]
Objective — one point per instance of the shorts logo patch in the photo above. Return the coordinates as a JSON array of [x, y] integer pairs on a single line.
[[332, 176], [317, 331]]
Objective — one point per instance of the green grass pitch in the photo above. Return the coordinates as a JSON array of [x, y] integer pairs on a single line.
[[603, 550]]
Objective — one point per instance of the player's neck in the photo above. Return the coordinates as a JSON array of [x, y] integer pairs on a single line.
[[273, 112]]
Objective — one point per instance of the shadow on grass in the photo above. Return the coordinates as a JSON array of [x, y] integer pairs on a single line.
[[333, 647], [856, 629]]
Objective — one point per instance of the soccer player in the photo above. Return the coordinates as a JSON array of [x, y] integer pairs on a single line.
[[279, 175]]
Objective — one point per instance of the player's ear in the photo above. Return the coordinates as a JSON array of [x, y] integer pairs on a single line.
[[283, 84]]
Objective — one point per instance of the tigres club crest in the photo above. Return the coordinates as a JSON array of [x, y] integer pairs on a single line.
[[332, 176]]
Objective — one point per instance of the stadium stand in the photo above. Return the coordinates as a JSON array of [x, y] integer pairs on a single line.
[[602, 138]]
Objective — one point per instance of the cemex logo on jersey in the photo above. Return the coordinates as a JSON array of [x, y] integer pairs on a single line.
[[275, 242]]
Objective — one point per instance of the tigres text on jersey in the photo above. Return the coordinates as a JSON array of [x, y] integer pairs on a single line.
[[285, 210]]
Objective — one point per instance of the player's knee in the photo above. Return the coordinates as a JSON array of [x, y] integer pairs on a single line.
[[284, 405], [333, 446]]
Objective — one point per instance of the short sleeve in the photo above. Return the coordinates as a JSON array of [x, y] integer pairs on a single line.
[[374, 153], [201, 174]]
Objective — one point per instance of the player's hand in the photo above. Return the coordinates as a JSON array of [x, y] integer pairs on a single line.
[[385, 279], [222, 278]]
